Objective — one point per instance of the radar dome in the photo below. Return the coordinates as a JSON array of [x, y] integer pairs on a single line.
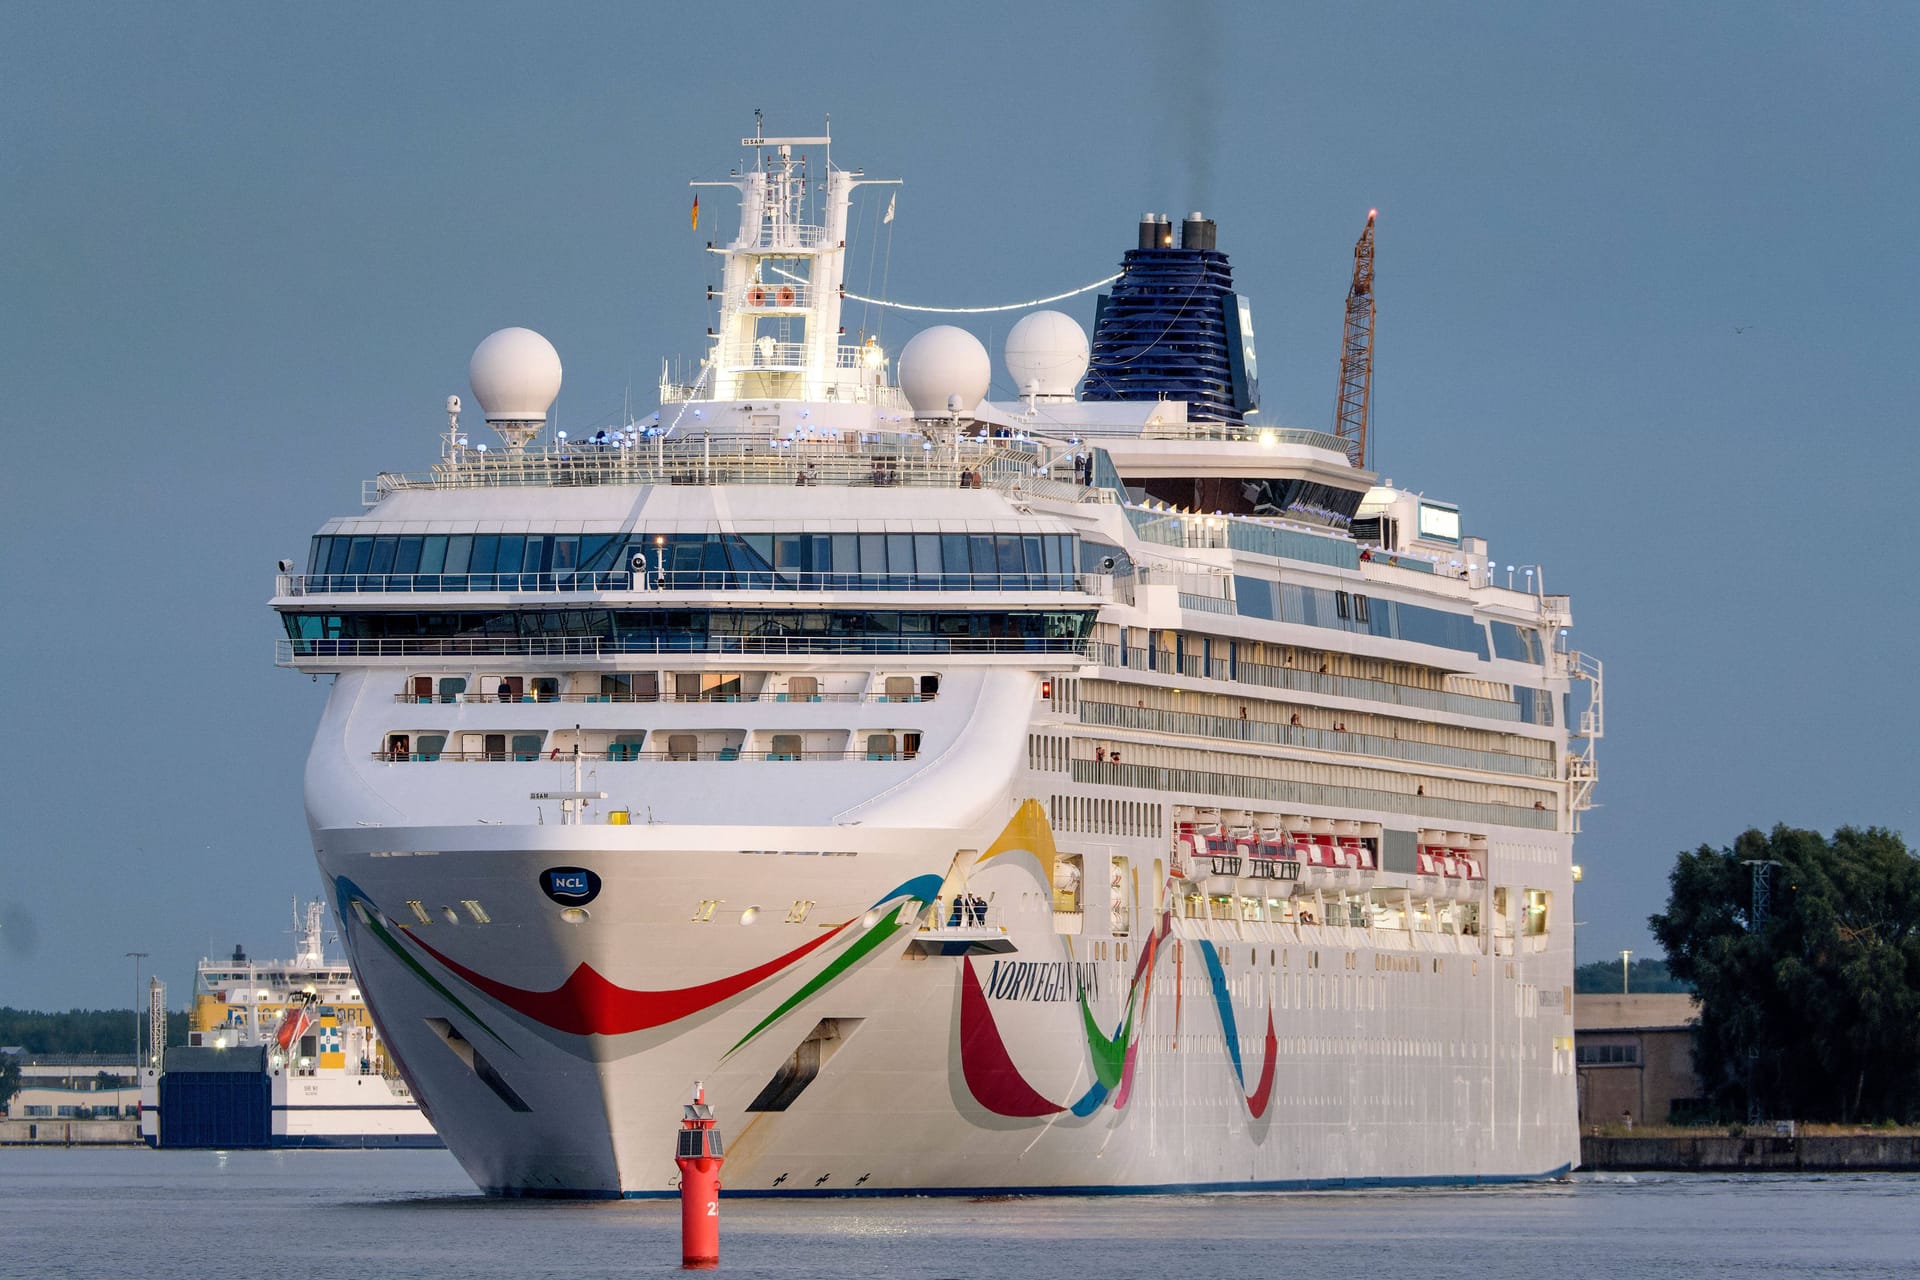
[[516, 376], [1046, 354], [942, 365]]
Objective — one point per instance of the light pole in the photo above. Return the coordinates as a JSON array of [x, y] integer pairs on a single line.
[[1624, 957], [136, 957]]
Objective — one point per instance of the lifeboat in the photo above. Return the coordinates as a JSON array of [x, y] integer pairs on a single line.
[[294, 1023], [1187, 850], [1275, 867]]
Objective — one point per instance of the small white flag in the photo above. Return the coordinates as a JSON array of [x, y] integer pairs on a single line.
[[891, 201]]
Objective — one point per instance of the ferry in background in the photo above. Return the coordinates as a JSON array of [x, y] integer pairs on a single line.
[[279, 1053], [1100, 790]]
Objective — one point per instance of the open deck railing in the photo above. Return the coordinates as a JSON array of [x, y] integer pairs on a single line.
[[662, 580], [290, 652], [723, 755], [472, 698], [694, 457]]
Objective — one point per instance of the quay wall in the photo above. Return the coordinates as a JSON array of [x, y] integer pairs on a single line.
[[69, 1133], [1720, 1153]]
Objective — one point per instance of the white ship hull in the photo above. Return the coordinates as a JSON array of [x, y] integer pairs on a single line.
[[1397, 1057]]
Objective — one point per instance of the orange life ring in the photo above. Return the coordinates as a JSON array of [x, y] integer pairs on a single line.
[[757, 296], [786, 295]]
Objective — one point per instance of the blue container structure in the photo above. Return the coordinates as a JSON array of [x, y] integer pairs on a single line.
[[216, 1098], [1174, 329]]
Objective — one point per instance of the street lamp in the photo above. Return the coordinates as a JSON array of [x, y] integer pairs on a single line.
[[1624, 957], [136, 957]]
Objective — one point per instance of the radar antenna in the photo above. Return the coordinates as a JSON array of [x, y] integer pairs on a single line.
[[1356, 352]]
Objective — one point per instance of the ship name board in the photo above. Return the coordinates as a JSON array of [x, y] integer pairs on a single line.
[[1042, 980]]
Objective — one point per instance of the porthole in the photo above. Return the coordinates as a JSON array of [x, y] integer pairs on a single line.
[[574, 915]]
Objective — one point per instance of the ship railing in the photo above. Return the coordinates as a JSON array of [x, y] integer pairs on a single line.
[[693, 457], [289, 652], [662, 580], [1301, 680], [477, 698], [618, 755], [958, 914], [792, 235]]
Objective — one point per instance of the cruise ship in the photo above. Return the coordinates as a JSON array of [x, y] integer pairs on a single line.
[[1099, 790]]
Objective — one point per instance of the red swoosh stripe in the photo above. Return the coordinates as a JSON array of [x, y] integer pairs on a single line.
[[586, 1004], [1263, 1092], [994, 1081]]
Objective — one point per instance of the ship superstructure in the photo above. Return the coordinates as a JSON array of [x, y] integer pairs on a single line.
[[280, 1053], [1050, 794]]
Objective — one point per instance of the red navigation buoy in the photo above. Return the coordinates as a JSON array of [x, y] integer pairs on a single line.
[[699, 1157]]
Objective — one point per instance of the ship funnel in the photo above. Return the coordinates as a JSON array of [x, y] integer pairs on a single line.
[[1197, 232], [1155, 231]]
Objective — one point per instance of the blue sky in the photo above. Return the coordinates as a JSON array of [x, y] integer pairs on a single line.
[[245, 253]]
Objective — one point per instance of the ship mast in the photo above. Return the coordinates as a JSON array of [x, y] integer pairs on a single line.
[[778, 333], [1356, 352]]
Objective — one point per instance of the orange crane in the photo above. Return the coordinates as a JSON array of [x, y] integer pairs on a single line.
[[1356, 352]]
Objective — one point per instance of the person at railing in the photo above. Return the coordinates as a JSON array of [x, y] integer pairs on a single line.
[[505, 692]]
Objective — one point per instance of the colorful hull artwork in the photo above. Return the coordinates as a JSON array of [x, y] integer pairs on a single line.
[[588, 1004]]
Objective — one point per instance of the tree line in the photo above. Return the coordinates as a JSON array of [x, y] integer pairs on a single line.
[[81, 1030], [1644, 977], [1805, 953]]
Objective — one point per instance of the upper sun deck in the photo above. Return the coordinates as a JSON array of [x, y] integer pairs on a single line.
[[705, 458]]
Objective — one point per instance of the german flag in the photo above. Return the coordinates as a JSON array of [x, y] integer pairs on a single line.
[[696, 213]]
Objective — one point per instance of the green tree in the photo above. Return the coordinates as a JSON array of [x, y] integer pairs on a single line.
[[1815, 1009], [9, 1079], [1645, 977]]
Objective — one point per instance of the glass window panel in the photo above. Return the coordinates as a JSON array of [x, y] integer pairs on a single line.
[[317, 555], [1053, 544], [337, 554], [926, 553], [486, 549], [357, 557], [953, 553], [382, 561], [536, 553], [406, 556], [761, 544], [507, 555], [566, 554], [433, 553], [786, 551], [982, 546], [459, 552], [899, 554], [1008, 553], [596, 552], [1036, 559]]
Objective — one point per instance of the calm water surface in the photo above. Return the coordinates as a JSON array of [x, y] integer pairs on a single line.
[[392, 1214]]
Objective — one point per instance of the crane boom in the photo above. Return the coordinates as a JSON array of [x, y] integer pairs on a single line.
[[1356, 352]]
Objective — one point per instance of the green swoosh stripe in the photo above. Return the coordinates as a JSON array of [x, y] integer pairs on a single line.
[[420, 972], [1108, 1054], [865, 943]]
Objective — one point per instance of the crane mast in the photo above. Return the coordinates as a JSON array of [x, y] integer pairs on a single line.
[[1356, 352]]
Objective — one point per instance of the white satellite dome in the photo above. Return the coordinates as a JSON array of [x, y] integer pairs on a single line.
[[944, 370], [516, 377], [1046, 354]]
